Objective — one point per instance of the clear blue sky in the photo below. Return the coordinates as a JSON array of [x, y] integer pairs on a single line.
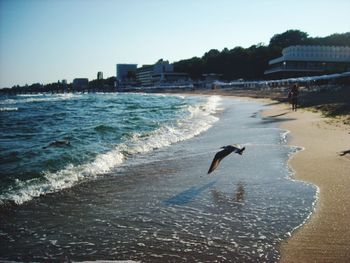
[[49, 40]]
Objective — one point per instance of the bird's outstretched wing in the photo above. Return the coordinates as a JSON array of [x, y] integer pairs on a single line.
[[218, 157], [237, 148], [223, 153]]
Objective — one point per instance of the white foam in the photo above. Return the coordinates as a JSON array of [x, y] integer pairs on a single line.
[[30, 95], [9, 109], [40, 98], [200, 118], [284, 134], [296, 149], [53, 182]]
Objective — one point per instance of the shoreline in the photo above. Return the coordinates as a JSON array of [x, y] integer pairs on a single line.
[[325, 235], [167, 205]]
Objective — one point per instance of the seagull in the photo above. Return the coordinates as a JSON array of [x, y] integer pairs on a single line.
[[342, 153], [223, 153]]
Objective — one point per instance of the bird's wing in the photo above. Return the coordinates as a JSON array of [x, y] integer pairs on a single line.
[[236, 146], [217, 159]]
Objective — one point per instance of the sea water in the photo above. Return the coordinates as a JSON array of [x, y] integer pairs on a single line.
[[132, 183]]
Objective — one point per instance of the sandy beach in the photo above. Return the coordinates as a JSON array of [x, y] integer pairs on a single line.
[[326, 235], [244, 214], [161, 206]]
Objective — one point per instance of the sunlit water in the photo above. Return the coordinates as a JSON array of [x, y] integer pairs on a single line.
[[132, 184]]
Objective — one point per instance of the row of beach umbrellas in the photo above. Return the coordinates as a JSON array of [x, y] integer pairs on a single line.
[[288, 80]]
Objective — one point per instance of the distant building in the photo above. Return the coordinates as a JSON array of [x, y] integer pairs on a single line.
[[144, 75], [124, 71], [80, 83], [170, 78], [211, 76], [299, 61], [162, 66], [64, 82], [209, 79], [149, 75], [100, 75]]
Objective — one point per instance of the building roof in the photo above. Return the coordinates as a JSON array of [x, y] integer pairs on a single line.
[[314, 53]]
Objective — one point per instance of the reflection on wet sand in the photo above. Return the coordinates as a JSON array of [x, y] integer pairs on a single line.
[[240, 193], [237, 197]]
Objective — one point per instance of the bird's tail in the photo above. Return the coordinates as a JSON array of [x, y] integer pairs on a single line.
[[241, 151]]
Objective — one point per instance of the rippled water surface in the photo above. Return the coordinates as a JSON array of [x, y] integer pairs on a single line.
[[132, 184], [102, 131]]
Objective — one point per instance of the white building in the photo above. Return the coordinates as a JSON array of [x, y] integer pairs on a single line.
[[310, 60], [148, 75]]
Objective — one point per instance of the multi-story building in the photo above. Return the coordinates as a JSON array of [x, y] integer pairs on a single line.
[[144, 75], [299, 61], [162, 66], [170, 78], [99, 75], [125, 71], [149, 75]]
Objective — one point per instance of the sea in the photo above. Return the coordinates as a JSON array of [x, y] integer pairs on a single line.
[[123, 176]]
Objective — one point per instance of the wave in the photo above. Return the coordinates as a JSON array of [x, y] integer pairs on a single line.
[[37, 98], [8, 109], [200, 118]]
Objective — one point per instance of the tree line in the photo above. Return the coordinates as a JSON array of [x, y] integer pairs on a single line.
[[237, 63], [96, 85], [250, 63]]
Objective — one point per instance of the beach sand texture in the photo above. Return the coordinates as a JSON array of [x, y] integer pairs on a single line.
[[326, 235]]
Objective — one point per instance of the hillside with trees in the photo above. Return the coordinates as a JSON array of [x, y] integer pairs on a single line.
[[237, 63], [250, 63]]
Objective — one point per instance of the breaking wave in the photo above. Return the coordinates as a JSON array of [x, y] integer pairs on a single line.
[[200, 117]]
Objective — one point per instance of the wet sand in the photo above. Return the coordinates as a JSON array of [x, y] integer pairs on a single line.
[[326, 235]]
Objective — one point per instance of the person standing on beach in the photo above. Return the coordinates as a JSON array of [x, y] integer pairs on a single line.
[[293, 96]]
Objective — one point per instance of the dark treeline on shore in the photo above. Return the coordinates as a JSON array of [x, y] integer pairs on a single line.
[[237, 63], [250, 63], [96, 85]]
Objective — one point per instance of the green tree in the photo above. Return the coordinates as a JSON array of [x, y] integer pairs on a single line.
[[289, 38]]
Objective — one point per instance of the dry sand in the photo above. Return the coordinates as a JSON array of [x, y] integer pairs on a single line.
[[326, 235]]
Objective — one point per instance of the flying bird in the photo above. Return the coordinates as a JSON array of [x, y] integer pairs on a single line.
[[223, 153]]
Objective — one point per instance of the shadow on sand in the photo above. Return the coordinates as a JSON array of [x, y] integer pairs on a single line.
[[275, 118], [187, 195]]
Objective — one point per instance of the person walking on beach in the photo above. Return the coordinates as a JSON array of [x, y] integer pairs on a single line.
[[293, 96]]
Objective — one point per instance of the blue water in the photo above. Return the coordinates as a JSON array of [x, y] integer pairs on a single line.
[[133, 184], [102, 129]]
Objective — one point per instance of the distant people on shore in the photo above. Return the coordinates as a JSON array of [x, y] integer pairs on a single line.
[[293, 96]]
